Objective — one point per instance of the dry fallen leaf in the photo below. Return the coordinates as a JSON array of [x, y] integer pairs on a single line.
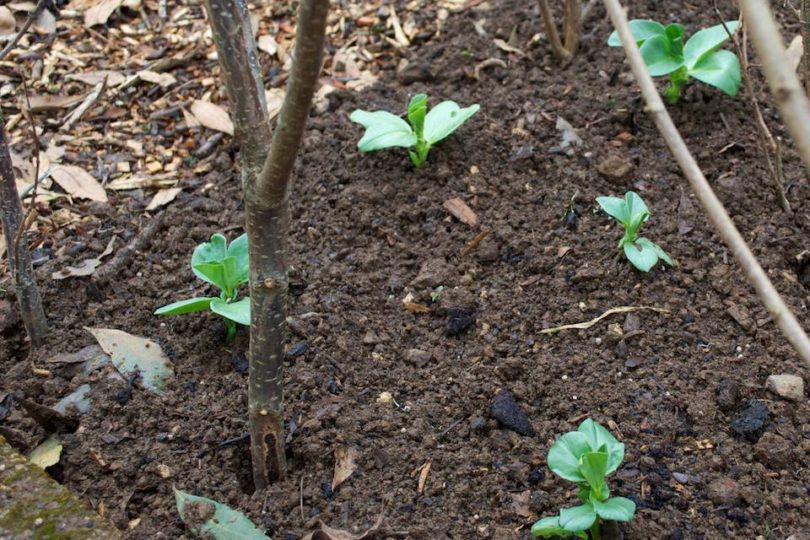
[[274, 98], [212, 116], [163, 80], [345, 464], [376, 531], [504, 46], [114, 78], [99, 12], [131, 354], [78, 183], [520, 504], [47, 453], [50, 102], [461, 211], [46, 23], [163, 197], [423, 476], [86, 267], [267, 44], [7, 22]]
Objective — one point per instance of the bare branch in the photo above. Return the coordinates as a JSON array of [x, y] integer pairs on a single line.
[[557, 48], [715, 212], [573, 25], [784, 83]]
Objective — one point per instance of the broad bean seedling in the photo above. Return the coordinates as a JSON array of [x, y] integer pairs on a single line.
[[386, 130], [631, 212], [225, 267], [586, 457], [665, 53]]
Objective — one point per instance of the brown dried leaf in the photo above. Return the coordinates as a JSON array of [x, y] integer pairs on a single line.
[[7, 22], [504, 46], [345, 464], [86, 267], [50, 102], [78, 183], [461, 211], [46, 23], [423, 475], [100, 12], [163, 80], [163, 197], [212, 116], [114, 78]]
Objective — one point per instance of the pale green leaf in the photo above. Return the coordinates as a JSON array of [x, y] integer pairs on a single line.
[[131, 354], [706, 41], [211, 272], [550, 527], [658, 251], [238, 311], [207, 518], [641, 30], [637, 210], [383, 130], [593, 466], [659, 56], [444, 119], [641, 256], [192, 305], [720, 69], [615, 509], [578, 518], [212, 251], [238, 249], [564, 454], [615, 207], [417, 108], [597, 437]]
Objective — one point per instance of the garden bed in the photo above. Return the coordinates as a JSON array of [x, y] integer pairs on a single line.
[[368, 231]]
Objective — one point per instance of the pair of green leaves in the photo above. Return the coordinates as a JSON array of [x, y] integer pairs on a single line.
[[386, 130], [665, 53], [632, 212], [586, 457], [225, 267]]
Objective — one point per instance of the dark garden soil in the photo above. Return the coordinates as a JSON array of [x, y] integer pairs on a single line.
[[368, 231]]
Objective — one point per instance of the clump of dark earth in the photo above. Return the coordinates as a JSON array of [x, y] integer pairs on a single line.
[[505, 410], [750, 420], [458, 320]]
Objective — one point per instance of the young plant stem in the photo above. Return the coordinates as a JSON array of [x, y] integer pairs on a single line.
[[596, 533], [557, 49], [267, 164], [715, 212], [785, 86], [19, 258]]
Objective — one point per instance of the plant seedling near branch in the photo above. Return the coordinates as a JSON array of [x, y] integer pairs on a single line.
[[225, 267], [631, 212], [665, 53], [586, 457], [386, 130]]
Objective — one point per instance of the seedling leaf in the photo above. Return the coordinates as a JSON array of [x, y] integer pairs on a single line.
[[208, 252], [615, 208], [417, 109], [720, 69], [444, 119], [208, 518], [192, 305], [383, 130], [659, 56], [563, 456], [615, 509], [578, 518], [238, 249], [706, 41], [641, 30], [641, 256], [593, 467], [550, 527], [238, 311], [596, 437]]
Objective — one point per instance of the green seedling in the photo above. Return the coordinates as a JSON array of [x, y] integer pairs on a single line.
[[386, 130], [631, 212], [225, 267], [586, 457], [665, 53]]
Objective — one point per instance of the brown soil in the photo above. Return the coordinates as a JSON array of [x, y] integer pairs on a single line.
[[364, 226]]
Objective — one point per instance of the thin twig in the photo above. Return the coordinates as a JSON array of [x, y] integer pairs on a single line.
[[715, 212], [37, 149], [572, 25], [551, 31], [764, 132], [26, 25], [785, 86]]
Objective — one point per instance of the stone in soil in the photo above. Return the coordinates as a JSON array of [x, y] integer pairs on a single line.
[[459, 320], [434, 272], [774, 451], [417, 357], [789, 387], [728, 392], [724, 491], [505, 410], [751, 419]]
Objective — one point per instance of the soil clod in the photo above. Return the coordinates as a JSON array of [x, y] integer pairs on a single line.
[[505, 410], [751, 419]]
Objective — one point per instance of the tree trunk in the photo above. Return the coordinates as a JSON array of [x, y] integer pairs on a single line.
[[573, 25], [19, 258], [267, 183]]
